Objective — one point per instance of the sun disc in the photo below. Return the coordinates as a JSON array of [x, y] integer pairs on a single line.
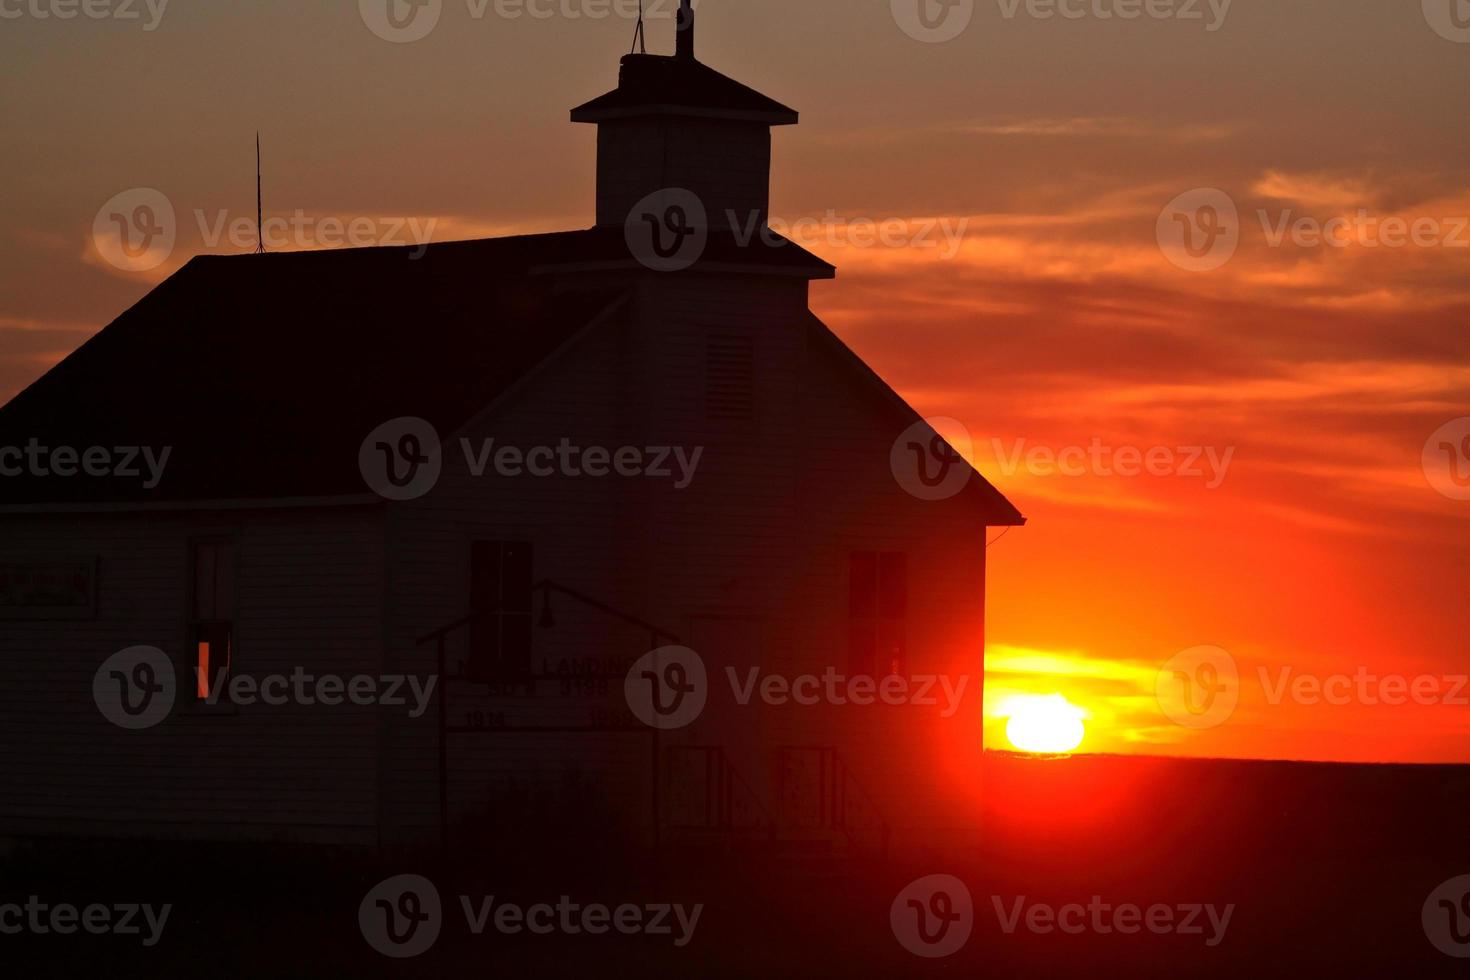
[[1045, 725]]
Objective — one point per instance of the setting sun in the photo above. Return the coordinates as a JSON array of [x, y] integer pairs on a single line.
[[1044, 724]]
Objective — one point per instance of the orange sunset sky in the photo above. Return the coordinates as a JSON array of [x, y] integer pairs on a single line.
[[1053, 321]]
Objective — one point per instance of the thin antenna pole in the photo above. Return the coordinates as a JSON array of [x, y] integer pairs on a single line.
[[684, 47], [640, 43], [259, 224]]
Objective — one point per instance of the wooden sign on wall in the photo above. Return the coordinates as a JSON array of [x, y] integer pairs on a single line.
[[48, 588]]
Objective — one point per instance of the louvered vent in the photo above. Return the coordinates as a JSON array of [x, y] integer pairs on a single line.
[[729, 377]]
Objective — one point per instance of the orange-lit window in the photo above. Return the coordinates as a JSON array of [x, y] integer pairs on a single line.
[[212, 615], [877, 611]]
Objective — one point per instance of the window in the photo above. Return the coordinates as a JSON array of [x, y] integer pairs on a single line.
[[500, 596], [877, 607], [211, 630], [729, 378]]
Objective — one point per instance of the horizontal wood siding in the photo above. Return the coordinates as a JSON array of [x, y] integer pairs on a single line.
[[309, 594], [760, 541], [585, 537]]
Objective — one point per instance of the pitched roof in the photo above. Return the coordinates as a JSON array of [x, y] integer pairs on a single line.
[[255, 368], [995, 509], [651, 84]]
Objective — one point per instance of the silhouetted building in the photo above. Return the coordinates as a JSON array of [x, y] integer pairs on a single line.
[[644, 439]]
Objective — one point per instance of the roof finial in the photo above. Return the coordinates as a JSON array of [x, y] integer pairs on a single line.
[[685, 46]]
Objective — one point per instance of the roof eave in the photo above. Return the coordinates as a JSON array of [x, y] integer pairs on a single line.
[[593, 113], [723, 268]]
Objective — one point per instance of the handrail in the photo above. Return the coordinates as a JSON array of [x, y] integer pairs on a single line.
[[883, 828], [723, 778], [546, 587], [731, 771], [833, 781], [440, 635]]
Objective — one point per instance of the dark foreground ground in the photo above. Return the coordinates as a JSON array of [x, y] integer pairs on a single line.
[[1326, 870]]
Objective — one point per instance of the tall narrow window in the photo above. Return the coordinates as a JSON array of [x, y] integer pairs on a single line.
[[211, 633], [877, 610], [500, 596], [729, 377]]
